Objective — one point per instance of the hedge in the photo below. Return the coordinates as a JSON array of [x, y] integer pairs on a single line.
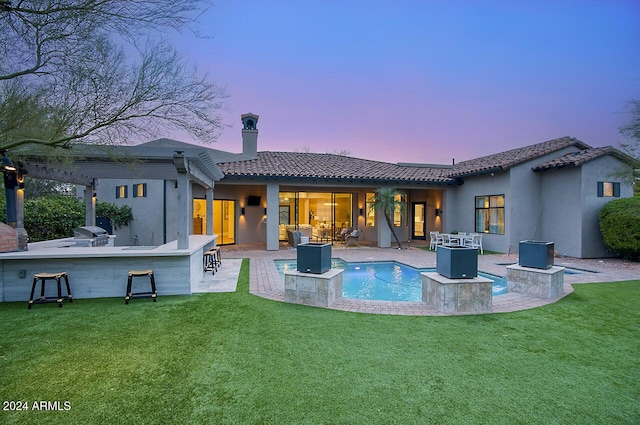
[[620, 226]]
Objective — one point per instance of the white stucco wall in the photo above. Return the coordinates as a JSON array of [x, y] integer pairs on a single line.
[[572, 205], [148, 212], [562, 199], [459, 207]]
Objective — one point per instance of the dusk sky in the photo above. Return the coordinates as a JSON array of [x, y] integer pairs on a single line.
[[421, 81]]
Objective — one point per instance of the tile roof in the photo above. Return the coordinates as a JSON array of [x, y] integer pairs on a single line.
[[576, 159], [510, 158], [302, 165]]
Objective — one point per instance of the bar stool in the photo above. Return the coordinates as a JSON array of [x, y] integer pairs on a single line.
[[42, 278], [141, 273], [211, 260]]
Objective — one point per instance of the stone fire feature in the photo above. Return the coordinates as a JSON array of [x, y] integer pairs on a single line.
[[320, 290], [542, 283], [457, 295]]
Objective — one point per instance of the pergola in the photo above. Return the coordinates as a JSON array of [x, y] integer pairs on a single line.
[[191, 165]]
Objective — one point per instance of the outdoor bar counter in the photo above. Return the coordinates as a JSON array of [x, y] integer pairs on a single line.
[[96, 272]]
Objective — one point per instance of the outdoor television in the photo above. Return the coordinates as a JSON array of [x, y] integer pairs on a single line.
[[253, 201]]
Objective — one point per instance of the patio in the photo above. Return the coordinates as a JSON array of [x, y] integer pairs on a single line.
[[266, 282]]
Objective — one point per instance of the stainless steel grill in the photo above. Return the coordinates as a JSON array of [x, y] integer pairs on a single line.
[[91, 236]]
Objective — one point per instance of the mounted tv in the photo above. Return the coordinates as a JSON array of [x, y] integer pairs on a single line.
[[253, 201]]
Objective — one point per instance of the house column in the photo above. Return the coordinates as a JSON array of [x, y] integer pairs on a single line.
[[382, 230], [209, 201], [89, 206], [184, 216], [273, 201]]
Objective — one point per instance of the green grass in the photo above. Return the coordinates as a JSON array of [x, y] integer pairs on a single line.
[[236, 358]]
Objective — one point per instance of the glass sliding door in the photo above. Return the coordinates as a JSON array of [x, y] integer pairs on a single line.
[[318, 215], [224, 221]]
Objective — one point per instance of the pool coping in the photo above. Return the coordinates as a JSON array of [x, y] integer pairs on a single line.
[[266, 281], [421, 270]]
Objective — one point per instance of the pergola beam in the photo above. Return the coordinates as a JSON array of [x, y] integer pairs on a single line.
[[45, 171]]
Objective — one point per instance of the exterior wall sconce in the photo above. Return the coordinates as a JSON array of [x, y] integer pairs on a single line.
[[7, 164], [361, 211], [265, 211], [438, 212], [20, 178], [242, 211]]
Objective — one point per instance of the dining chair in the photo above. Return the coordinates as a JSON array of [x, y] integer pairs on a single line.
[[476, 242]]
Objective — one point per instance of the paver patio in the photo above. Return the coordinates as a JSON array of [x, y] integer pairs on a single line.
[[266, 282]]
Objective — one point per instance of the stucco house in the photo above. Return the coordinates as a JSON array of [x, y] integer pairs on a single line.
[[548, 191]]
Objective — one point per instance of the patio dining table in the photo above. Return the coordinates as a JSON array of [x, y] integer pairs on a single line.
[[459, 239]]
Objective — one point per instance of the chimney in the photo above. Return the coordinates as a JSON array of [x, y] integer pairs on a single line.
[[249, 135]]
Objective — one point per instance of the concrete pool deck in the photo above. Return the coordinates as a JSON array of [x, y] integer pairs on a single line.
[[266, 282]]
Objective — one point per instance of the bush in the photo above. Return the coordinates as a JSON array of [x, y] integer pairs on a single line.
[[119, 215], [52, 217], [620, 226]]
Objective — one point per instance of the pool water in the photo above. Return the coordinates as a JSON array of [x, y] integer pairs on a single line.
[[384, 281]]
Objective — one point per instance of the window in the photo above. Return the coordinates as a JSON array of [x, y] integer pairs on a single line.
[[121, 192], [400, 213], [490, 214], [608, 189], [140, 190], [369, 213]]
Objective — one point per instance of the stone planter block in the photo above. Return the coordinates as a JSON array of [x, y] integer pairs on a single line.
[[457, 295], [320, 290], [541, 283]]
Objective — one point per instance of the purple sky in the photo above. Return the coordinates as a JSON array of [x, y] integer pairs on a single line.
[[421, 81]]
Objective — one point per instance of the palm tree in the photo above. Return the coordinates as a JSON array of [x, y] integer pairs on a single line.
[[387, 200]]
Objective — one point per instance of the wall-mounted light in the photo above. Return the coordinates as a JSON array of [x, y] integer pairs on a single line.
[[438, 212], [265, 211], [20, 178], [361, 211], [7, 164], [242, 211]]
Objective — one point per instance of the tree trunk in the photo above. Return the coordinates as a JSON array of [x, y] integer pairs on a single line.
[[393, 230]]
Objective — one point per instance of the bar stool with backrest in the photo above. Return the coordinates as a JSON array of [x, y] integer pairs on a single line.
[[42, 278], [141, 273]]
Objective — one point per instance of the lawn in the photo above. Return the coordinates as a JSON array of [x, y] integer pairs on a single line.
[[236, 358]]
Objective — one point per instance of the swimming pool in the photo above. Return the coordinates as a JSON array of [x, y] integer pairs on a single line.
[[384, 281]]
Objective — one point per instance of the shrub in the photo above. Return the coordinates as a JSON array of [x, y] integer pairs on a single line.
[[119, 215], [52, 217], [620, 226]]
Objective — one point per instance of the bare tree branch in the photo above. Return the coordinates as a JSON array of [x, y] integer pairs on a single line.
[[72, 74]]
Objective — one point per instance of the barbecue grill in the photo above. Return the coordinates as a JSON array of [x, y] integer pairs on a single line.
[[90, 236]]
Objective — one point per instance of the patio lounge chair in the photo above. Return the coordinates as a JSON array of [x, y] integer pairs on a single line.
[[342, 236], [294, 237], [352, 238]]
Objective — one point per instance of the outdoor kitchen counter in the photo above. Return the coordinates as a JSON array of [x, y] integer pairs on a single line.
[[96, 272], [62, 249]]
